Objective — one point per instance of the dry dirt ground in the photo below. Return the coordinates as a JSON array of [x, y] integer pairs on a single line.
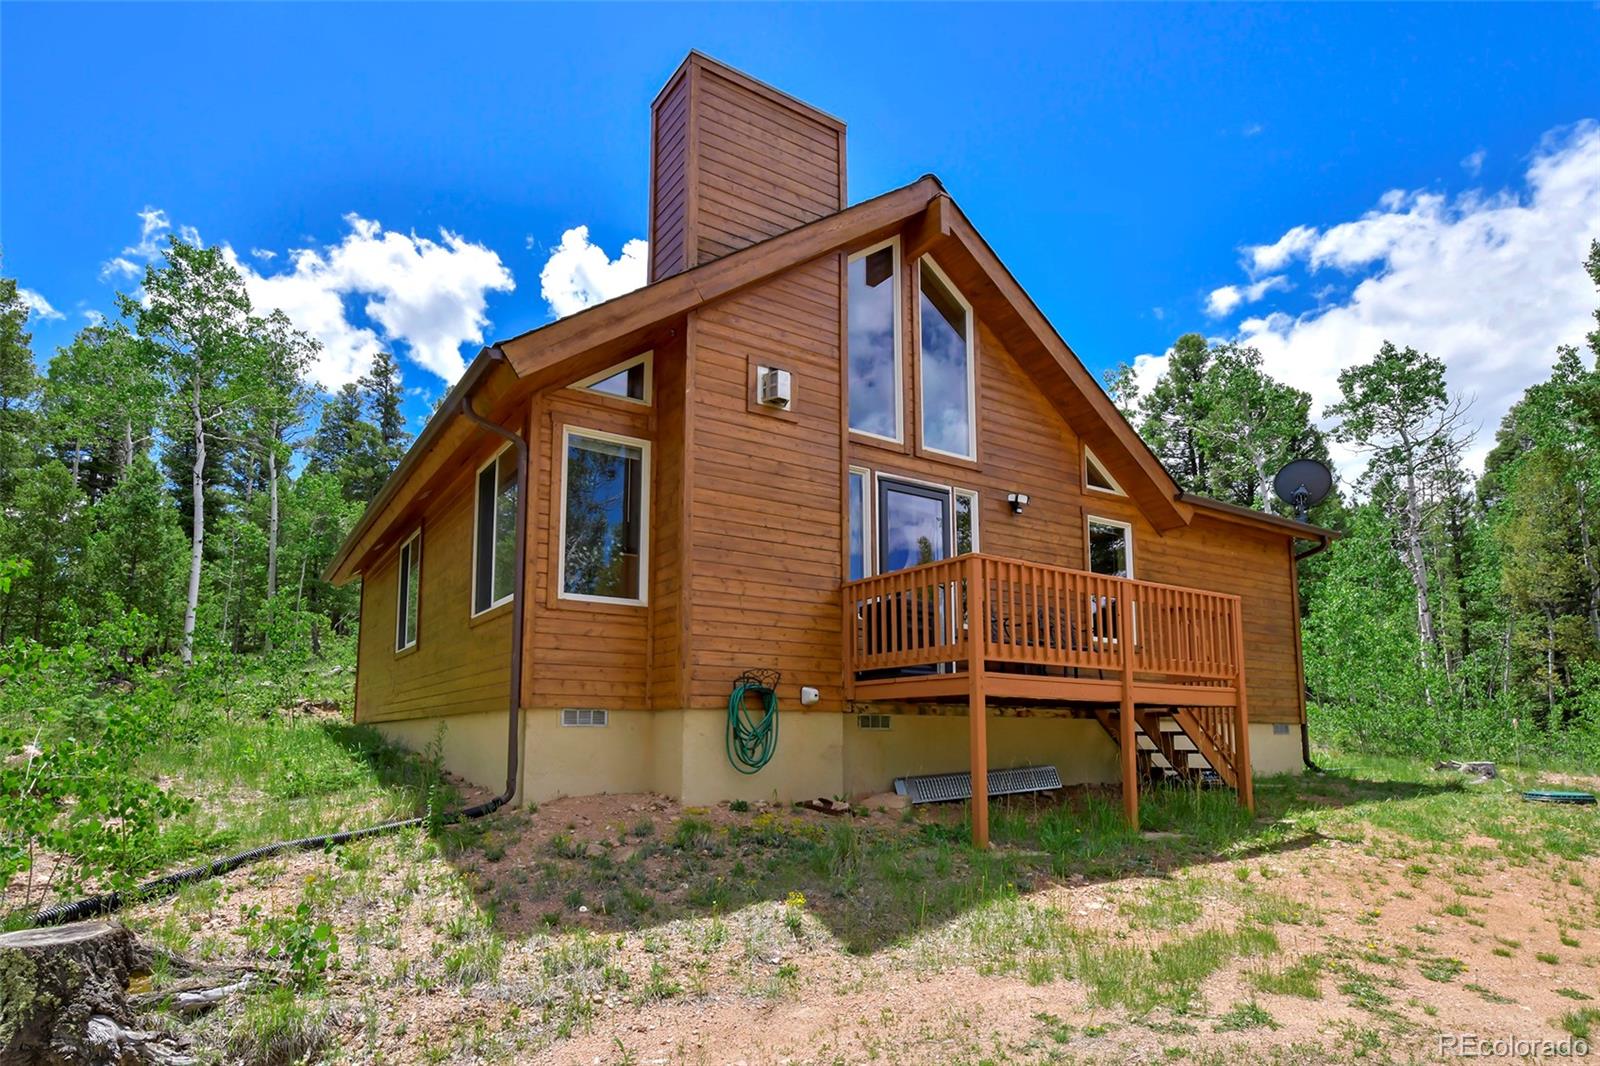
[[1361, 916]]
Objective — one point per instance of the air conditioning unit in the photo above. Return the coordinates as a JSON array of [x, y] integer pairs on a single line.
[[774, 387]]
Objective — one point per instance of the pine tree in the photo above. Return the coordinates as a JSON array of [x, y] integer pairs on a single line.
[[19, 383]]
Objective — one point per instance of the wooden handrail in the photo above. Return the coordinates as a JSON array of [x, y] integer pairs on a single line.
[[1039, 615]]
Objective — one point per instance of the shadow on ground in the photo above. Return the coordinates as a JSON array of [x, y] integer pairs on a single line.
[[617, 863]]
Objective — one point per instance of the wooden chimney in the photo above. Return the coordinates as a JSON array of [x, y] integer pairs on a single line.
[[733, 162]]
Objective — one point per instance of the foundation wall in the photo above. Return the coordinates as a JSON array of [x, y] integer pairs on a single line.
[[937, 743], [474, 745], [682, 754], [1275, 753]]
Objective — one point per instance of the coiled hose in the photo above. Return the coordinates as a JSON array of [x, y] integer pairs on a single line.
[[752, 741]]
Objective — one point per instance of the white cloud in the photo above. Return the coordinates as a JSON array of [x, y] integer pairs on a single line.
[[37, 305], [266, 255], [1265, 258], [1473, 163], [428, 295], [1490, 284], [1222, 301], [1252, 129], [579, 274], [153, 229]]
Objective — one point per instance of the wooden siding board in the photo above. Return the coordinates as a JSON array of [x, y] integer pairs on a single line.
[[456, 667]]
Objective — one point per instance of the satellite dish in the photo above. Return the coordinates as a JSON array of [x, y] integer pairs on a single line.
[[1303, 484]]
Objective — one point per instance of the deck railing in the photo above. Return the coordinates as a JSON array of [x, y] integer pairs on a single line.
[[1037, 615]]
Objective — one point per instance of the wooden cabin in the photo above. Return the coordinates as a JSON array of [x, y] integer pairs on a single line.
[[836, 442]]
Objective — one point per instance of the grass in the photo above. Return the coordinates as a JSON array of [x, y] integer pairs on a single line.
[[1580, 1023], [767, 886]]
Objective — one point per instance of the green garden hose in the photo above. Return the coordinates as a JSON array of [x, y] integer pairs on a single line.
[[752, 741]]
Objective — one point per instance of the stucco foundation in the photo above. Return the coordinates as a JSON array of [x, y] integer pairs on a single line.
[[474, 745], [937, 743], [1275, 753], [682, 753]]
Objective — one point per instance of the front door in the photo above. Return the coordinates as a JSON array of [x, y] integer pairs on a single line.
[[913, 524]]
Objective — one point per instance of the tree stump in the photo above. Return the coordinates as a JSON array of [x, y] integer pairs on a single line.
[[63, 998]]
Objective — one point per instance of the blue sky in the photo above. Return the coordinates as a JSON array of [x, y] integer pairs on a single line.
[[1122, 160]]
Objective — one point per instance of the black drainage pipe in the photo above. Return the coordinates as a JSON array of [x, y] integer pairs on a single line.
[[107, 902]]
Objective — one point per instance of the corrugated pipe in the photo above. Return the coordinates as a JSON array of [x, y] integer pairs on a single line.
[[107, 902]]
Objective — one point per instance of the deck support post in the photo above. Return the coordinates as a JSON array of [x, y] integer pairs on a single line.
[[977, 699], [1244, 776], [1127, 739]]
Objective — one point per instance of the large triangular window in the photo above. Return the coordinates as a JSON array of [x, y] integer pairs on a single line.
[[1097, 477], [626, 381]]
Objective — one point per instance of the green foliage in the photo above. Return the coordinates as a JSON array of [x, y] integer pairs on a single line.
[[1454, 619], [303, 944], [66, 790], [1220, 424]]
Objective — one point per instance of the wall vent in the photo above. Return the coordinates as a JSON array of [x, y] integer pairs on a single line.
[[1280, 729], [872, 721], [584, 716]]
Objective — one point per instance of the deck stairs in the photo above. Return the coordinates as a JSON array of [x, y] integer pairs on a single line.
[[1174, 746]]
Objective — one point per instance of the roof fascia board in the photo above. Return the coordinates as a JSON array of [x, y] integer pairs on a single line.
[[680, 293], [1170, 510]]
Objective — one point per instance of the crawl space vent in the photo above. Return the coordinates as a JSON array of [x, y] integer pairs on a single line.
[[944, 788], [583, 716], [872, 721]]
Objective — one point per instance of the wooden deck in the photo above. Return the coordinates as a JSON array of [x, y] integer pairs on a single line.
[[978, 627]]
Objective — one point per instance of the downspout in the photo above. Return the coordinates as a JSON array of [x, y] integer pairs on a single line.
[[1305, 722], [107, 902], [514, 712]]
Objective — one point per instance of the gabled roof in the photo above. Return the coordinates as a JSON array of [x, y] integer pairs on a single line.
[[927, 220]]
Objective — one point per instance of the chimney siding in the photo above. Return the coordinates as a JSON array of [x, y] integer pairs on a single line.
[[735, 162]]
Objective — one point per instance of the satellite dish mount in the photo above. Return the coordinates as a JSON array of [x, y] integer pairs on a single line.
[[1302, 485]]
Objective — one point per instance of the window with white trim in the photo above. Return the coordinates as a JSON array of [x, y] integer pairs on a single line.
[[494, 539], [605, 507], [409, 566], [1097, 477], [873, 341], [630, 380], [1110, 547], [946, 381], [860, 523], [966, 515]]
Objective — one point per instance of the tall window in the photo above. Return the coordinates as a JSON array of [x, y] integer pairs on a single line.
[[947, 379], [1110, 547], [874, 341], [966, 520], [858, 523], [494, 545], [605, 501], [410, 568]]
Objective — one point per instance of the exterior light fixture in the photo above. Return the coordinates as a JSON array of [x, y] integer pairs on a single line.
[[1017, 500]]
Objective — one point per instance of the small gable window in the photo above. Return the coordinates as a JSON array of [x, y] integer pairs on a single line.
[[874, 341], [625, 381], [947, 365], [494, 542], [1097, 477], [605, 500], [410, 570]]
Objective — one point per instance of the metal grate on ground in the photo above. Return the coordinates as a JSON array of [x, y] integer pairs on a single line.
[[946, 788]]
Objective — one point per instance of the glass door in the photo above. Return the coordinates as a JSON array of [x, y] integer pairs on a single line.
[[913, 524]]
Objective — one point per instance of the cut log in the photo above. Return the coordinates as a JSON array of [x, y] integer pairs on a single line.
[[63, 999]]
